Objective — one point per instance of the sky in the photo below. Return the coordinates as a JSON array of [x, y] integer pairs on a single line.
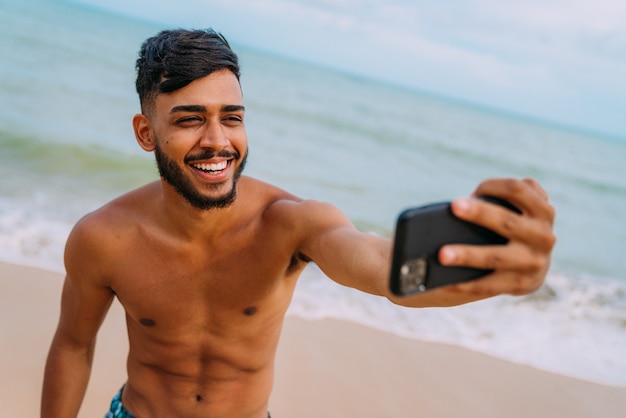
[[562, 61]]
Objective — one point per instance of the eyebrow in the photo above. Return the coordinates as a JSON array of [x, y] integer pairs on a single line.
[[233, 108], [200, 108]]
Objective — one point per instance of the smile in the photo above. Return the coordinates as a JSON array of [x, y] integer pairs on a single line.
[[211, 168]]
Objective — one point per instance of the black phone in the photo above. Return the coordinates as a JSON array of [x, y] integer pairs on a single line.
[[421, 232]]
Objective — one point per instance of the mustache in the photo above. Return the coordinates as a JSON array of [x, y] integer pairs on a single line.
[[208, 154]]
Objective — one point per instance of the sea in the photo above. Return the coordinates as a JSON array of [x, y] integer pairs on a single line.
[[373, 149]]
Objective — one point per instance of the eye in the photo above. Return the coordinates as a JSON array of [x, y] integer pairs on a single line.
[[189, 120], [233, 120]]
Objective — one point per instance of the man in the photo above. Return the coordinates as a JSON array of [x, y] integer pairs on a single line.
[[205, 261]]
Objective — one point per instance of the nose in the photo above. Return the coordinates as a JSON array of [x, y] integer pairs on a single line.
[[214, 137]]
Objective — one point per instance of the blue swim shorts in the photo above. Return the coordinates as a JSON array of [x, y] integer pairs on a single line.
[[117, 410]]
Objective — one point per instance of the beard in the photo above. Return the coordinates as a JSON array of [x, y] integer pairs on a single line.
[[174, 176]]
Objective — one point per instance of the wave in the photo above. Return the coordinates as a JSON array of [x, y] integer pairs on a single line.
[[90, 165], [573, 326], [50, 185]]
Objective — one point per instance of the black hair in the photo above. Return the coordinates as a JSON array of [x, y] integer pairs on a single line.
[[174, 58]]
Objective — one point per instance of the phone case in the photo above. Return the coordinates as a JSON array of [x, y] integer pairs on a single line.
[[420, 233]]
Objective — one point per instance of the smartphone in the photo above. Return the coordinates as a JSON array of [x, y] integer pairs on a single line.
[[421, 232]]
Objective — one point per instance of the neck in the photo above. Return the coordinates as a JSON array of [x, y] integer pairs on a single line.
[[191, 222]]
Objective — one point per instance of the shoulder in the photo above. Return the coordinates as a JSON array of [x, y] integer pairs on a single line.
[[307, 213], [118, 213], [302, 218], [278, 205], [98, 234]]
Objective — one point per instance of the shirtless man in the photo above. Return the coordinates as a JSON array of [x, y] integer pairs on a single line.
[[205, 261]]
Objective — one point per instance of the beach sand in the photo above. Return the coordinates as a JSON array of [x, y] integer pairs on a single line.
[[325, 368]]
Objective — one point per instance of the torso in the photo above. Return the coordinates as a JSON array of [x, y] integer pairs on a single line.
[[203, 315]]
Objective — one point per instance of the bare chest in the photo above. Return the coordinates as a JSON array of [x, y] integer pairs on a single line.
[[191, 288]]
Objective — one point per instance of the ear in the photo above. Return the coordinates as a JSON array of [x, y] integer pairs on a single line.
[[143, 132]]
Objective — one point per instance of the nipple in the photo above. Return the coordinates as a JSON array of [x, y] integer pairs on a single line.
[[250, 310], [147, 322]]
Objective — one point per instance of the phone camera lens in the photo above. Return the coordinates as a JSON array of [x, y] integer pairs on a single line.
[[413, 274]]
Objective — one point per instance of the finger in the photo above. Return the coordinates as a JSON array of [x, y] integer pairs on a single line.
[[534, 184], [505, 222], [526, 194], [491, 257], [496, 218]]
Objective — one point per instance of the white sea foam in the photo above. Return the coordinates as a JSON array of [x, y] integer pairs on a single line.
[[28, 238], [573, 326]]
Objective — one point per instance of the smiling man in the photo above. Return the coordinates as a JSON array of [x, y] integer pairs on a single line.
[[205, 261]]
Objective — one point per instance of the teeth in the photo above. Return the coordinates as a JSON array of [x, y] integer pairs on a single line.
[[211, 167]]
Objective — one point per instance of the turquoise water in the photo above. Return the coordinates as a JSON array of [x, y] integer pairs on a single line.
[[66, 147]]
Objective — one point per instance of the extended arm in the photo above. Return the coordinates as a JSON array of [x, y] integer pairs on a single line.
[[363, 261]]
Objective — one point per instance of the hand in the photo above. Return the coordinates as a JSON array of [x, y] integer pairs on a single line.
[[522, 264]]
